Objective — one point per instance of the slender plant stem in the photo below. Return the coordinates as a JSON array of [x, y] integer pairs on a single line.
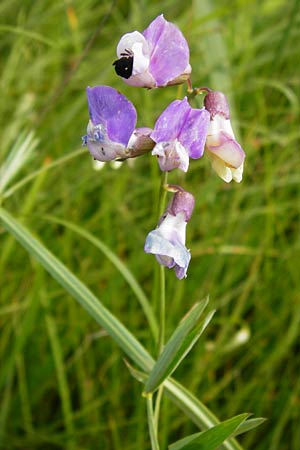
[[157, 406], [162, 194], [151, 423], [162, 281], [162, 299], [162, 309]]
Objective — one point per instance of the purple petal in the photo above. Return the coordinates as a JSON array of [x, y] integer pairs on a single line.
[[169, 51], [194, 131], [188, 125], [182, 201], [169, 124], [226, 148], [216, 103], [111, 109]]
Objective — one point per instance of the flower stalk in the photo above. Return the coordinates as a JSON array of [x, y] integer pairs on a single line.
[[151, 423]]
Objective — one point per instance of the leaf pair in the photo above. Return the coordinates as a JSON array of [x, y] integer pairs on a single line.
[[181, 342]]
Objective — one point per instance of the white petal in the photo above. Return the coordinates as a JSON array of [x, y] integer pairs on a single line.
[[237, 174], [100, 146], [221, 169], [171, 155], [136, 44], [173, 227], [128, 40], [219, 123]]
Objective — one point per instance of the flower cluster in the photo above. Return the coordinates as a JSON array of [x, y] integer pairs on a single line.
[[156, 58]]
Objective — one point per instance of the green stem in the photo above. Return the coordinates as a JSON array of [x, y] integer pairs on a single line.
[[162, 309], [151, 423], [157, 406], [162, 281], [162, 298], [162, 194]]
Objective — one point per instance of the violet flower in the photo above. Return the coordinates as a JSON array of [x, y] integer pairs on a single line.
[[157, 57], [179, 133], [167, 241], [226, 154], [111, 132]]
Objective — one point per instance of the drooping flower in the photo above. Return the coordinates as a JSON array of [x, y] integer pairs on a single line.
[[157, 57], [111, 132], [179, 134], [226, 154], [167, 241]]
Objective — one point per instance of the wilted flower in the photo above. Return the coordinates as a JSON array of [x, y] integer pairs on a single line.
[[157, 57], [167, 241], [226, 154], [111, 132], [179, 133]]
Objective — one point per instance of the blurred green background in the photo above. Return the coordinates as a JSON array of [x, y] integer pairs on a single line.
[[63, 382]]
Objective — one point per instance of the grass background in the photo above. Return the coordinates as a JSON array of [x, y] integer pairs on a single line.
[[63, 383]]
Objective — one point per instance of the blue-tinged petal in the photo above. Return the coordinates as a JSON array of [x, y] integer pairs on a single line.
[[167, 241], [170, 254], [112, 110]]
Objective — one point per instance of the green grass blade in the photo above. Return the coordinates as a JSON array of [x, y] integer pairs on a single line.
[[212, 438], [248, 425], [195, 409], [31, 35], [52, 165], [17, 158], [185, 400], [120, 266], [79, 291], [180, 343]]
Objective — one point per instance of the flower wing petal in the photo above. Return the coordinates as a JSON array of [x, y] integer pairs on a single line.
[[169, 124], [193, 133]]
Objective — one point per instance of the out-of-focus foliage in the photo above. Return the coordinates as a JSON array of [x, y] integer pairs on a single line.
[[63, 383]]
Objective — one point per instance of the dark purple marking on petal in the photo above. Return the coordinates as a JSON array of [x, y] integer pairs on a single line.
[[112, 109], [169, 51]]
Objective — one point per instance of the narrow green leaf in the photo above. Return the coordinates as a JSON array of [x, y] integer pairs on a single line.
[[183, 398], [80, 292], [203, 417], [17, 157], [119, 265], [249, 425], [180, 343], [137, 374], [210, 439]]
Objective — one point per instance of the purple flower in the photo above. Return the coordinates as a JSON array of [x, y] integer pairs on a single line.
[[157, 57], [179, 133], [111, 132], [226, 154], [167, 241]]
